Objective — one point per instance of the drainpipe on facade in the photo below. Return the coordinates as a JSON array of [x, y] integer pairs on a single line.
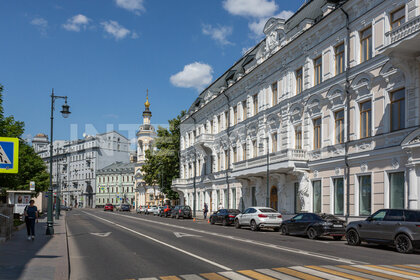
[[228, 162], [347, 89], [195, 171]]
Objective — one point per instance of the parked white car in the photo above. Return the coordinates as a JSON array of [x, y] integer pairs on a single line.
[[153, 210], [259, 217]]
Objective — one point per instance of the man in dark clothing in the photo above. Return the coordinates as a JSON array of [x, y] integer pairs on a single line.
[[205, 211], [31, 213]]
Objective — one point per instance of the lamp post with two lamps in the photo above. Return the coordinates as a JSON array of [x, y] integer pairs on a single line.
[[65, 112]]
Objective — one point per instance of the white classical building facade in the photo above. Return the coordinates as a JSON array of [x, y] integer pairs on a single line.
[[322, 115], [76, 162]]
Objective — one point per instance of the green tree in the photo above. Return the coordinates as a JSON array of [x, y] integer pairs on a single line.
[[162, 161], [31, 166]]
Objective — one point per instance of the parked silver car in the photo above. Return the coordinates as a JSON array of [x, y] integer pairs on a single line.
[[398, 227], [259, 217]]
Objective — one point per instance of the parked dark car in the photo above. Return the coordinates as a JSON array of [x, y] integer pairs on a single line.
[[166, 212], [224, 216], [314, 226], [109, 207], [181, 212], [398, 227], [124, 207], [65, 208]]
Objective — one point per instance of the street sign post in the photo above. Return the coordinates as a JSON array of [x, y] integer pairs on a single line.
[[9, 155]]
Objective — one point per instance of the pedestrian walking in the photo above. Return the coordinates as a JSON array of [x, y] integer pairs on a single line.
[[31, 214], [205, 210]]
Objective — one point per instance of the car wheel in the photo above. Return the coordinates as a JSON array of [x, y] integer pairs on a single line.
[[403, 244], [284, 230], [237, 224], [254, 226], [225, 223], [212, 221], [312, 234], [276, 229], [337, 238], [353, 237]]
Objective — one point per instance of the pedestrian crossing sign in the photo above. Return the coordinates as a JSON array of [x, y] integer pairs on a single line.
[[9, 155]]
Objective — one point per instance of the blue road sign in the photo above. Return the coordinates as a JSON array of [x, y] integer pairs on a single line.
[[9, 155]]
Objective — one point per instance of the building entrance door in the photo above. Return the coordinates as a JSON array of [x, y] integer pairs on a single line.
[[273, 198]]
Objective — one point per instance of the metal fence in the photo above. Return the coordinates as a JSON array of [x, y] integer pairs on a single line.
[[6, 221]]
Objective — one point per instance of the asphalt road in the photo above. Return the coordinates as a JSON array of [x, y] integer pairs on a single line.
[[109, 245]]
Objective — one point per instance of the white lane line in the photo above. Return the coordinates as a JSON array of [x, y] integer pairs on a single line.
[[269, 245], [163, 243]]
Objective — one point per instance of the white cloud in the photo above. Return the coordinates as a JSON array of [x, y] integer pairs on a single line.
[[76, 23], [41, 24], [195, 75], [257, 27], [116, 30], [251, 8], [135, 6], [219, 34]]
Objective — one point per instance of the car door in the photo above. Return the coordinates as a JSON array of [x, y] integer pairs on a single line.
[[242, 216], [246, 217], [221, 215], [293, 224], [394, 218], [306, 220], [368, 228]]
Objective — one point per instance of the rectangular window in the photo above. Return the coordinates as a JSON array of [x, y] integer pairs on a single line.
[[226, 120], [316, 195], [234, 198], [212, 127], [338, 196], [298, 138], [298, 203], [275, 93], [235, 115], [219, 124], [226, 160], [398, 110], [254, 148], [339, 59], [299, 80], [255, 103], [235, 155], [365, 195], [398, 17], [274, 142], [253, 196], [396, 190], [219, 162], [366, 44], [365, 119], [317, 133], [244, 110], [339, 127], [318, 70]]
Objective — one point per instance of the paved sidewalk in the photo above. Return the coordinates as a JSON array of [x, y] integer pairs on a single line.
[[44, 258]]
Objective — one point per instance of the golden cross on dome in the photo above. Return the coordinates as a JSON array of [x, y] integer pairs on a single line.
[[147, 103]]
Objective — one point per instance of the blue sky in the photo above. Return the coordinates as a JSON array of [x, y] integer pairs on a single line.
[[104, 54]]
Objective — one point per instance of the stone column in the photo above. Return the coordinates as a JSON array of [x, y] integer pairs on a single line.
[[412, 188]]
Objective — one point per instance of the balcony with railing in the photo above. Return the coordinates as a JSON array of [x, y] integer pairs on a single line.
[[402, 36], [203, 139]]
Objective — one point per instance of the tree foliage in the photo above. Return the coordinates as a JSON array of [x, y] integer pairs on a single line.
[[31, 166], [162, 161]]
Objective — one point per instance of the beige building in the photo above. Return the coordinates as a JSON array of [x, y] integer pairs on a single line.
[[323, 115]]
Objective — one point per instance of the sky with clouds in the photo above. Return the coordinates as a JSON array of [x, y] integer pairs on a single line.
[[104, 54]]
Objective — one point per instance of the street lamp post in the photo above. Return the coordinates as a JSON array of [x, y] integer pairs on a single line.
[[65, 112], [268, 175]]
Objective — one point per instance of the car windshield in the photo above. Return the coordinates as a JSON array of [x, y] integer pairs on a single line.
[[267, 210]]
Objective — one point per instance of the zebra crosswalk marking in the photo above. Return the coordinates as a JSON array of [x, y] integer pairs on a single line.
[[334, 272], [170, 278], [256, 275], [317, 273], [352, 272], [408, 266], [379, 274], [277, 274], [234, 276], [213, 276], [297, 274], [191, 277], [395, 270]]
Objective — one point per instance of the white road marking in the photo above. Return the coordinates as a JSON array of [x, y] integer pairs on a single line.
[[181, 234], [386, 271], [263, 244], [162, 243], [191, 277], [317, 273], [276, 274], [233, 275], [101, 234]]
